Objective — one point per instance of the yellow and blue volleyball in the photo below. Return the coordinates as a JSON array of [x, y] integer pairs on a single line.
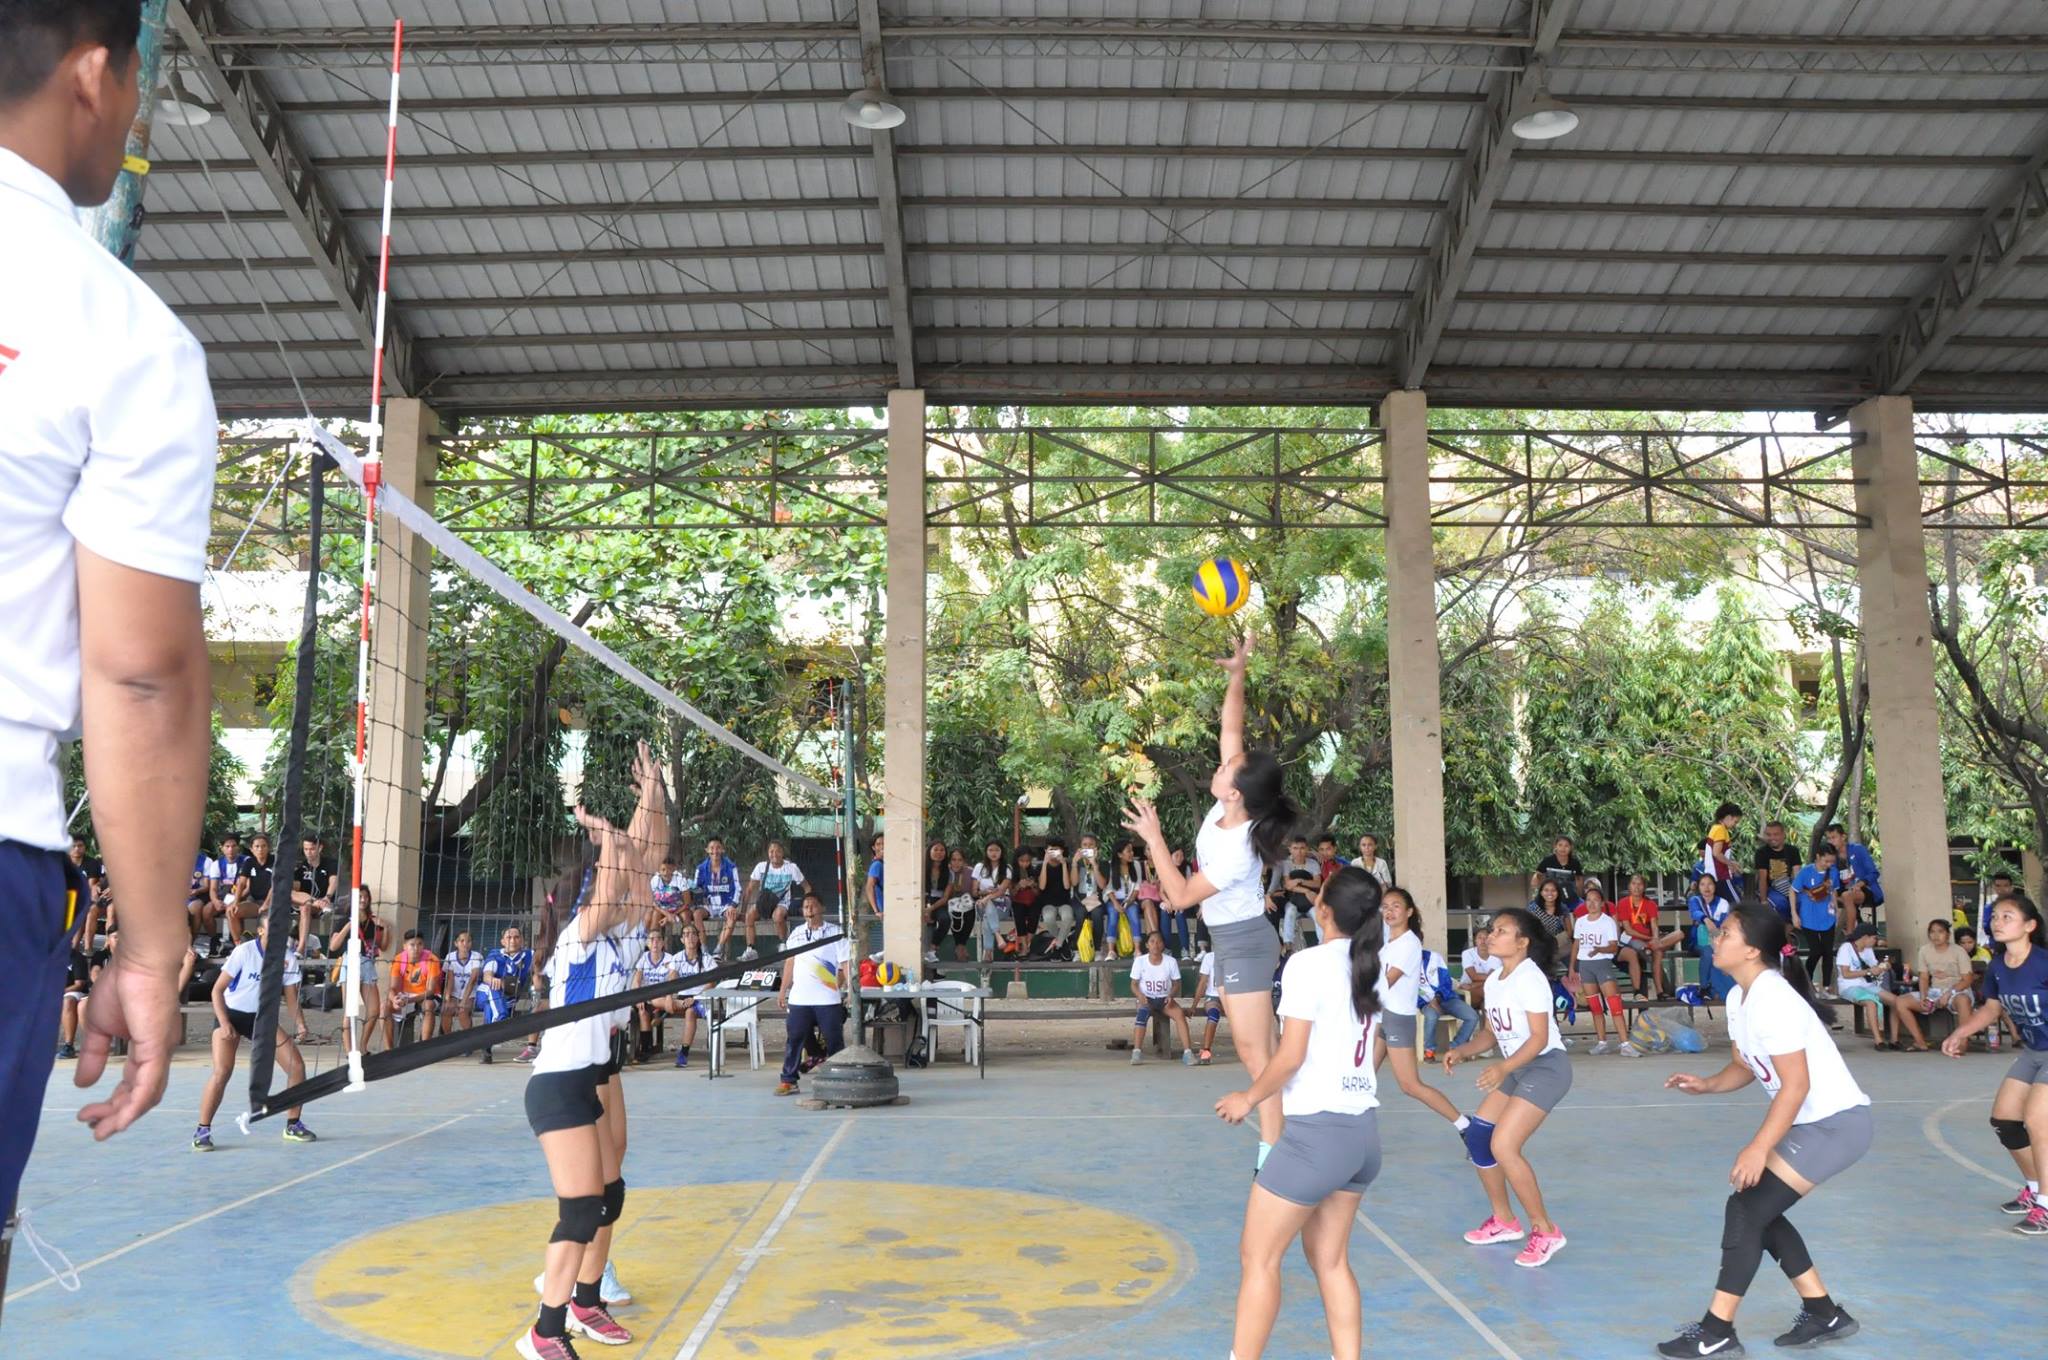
[[888, 974], [1221, 586]]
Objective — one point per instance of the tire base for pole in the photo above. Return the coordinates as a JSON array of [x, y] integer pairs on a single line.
[[856, 1077]]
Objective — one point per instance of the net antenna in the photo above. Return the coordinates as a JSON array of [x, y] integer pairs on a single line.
[[369, 477]]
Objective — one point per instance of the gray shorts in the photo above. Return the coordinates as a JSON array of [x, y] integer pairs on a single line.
[[1397, 1029], [1827, 1147], [1319, 1155], [1593, 972], [1543, 1082], [2031, 1067], [1247, 956]]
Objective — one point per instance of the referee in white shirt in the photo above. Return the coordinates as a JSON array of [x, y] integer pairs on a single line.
[[107, 448]]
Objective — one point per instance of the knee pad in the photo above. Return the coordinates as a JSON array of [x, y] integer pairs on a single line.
[[578, 1217], [614, 1201], [1215, 1014], [1615, 1008], [1478, 1137], [2012, 1134], [1740, 1223], [1144, 1016]]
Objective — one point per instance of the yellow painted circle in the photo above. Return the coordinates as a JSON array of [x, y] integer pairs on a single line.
[[857, 1268]]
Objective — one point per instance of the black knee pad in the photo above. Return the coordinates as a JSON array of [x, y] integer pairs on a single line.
[[614, 1201], [2012, 1134], [1738, 1222], [578, 1217]]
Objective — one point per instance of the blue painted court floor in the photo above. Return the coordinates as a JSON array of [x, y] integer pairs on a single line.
[[1067, 1206]]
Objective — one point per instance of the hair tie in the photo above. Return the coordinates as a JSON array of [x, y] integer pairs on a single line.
[[1789, 951]]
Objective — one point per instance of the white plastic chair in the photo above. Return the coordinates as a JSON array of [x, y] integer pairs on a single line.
[[944, 1016], [743, 1016]]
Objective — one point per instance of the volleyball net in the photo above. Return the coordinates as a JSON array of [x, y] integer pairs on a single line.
[[445, 710]]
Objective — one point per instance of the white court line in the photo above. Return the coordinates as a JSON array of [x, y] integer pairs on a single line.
[[197, 1219], [1486, 1333], [1931, 1127], [751, 1257]]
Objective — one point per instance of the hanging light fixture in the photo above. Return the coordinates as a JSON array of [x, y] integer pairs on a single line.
[[179, 107], [1546, 117], [872, 109]]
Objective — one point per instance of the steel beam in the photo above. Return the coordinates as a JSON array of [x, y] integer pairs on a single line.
[[888, 203], [294, 182], [2011, 227], [1480, 183]]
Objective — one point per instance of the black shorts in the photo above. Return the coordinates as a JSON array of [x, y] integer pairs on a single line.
[[617, 1062], [243, 1022], [563, 1100], [956, 925]]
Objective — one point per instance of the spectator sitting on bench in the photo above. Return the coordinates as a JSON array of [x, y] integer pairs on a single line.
[[415, 986], [1942, 974], [1212, 1004], [1477, 964], [1860, 976], [1707, 909], [1644, 941], [1595, 938], [1439, 998], [1155, 979]]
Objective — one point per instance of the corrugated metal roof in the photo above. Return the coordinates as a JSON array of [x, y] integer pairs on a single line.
[[659, 204]]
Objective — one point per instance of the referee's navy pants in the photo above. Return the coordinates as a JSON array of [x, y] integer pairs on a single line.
[[828, 1021], [40, 901]]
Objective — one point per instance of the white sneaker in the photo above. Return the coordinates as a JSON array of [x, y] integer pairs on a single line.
[[1600, 1048], [1629, 1050], [931, 956], [1137, 1055], [747, 955], [610, 1290], [1187, 1057]]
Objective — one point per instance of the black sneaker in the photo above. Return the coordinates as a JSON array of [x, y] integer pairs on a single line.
[[1693, 1343], [1810, 1329]]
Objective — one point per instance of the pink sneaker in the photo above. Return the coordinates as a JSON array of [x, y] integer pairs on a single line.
[[598, 1325], [534, 1346], [1493, 1230], [1542, 1246]]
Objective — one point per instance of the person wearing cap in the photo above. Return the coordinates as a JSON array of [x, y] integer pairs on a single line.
[[108, 440], [1860, 976]]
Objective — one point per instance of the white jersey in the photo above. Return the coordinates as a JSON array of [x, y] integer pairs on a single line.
[[1591, 935], [1336, 1075], [1863, 960], [682, 966], [1405, 953], [653, 970], [583, 970], [1472, 964], [462, 973], [244, 971], [1205, 971], [814, 976], [1224, 855], [777, 878], [1768, 1020], [1155, 980], [1511, 999]]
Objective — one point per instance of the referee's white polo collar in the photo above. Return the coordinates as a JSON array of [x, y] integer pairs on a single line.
[[16, 173]]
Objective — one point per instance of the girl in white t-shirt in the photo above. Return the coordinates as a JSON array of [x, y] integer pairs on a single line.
[[587, 949], [1244, 833], [1329, 1152], [1212, 1005], [1596, 939], [1521, 1089], [1818, 1126], [1400, 1000], [1155, 981]]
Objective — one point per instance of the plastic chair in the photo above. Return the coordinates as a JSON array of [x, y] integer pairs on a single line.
[[743, 1016], [943, 1015]]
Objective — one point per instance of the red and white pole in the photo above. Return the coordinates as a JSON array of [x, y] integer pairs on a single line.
[[373, 468]]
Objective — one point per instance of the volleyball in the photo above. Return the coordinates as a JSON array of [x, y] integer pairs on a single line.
[[888, 975], [1221, 586]]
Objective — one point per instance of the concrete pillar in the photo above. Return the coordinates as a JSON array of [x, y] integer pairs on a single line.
[[398, 676], [1413, 662], [1905, 725], [2032, 876], [903, 733]]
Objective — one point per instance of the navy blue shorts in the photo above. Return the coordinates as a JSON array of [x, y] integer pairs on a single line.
[[41, 904]]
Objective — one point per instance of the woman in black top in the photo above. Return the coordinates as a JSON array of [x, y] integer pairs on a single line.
[[935, 881], [1056, 892]]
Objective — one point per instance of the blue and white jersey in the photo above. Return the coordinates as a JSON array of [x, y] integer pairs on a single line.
[[653, 969], [682, 966], [2023, 993], [512, 971], [462, 972], [244, 972], [583, 970], [717, 889]]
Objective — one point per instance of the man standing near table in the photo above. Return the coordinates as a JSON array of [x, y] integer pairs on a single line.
[[810, 990]]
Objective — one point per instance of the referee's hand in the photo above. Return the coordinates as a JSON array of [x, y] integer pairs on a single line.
[[140, 1005]]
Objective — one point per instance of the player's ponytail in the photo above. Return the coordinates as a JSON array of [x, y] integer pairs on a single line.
[[1542, 944], [1259, 782], [1352, 897], [1764, 931]]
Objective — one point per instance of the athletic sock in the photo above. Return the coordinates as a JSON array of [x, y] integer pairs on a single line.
[[1264, 1149], [1460, 1122], [586, 1295], [1820, 1305], [2034, 1186], [1715, 1327], [554, 1321]]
